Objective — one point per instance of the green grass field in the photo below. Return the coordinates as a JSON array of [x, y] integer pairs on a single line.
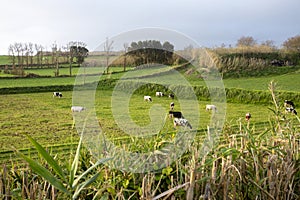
[[49, 119], [4, 59], [286, 82]]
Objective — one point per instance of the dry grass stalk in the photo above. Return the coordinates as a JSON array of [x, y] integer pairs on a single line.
[[170, 191]]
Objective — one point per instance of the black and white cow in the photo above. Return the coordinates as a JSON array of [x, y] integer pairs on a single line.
[[171, 96], [291, 110], [248, 116], [147, 98], [57, 94], [159, 94], [174, 114], [182, 122], [77, 108], [289, 104], [172, 104]]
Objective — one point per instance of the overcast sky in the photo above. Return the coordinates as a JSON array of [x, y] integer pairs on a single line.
[[209, 22]]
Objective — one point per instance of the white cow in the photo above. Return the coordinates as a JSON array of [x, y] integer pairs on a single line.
[[181, 122], [211, 107], [77, 108], [159, 94], [147, 98]]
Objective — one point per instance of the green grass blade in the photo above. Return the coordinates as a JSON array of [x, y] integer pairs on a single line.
[[75, 162], [47, 157], [85, 184], [88, 170], [46, 174]]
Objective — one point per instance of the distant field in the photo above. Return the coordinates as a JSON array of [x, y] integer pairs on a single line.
[[33, 82], [75, 71], [286, 82], [4, 59]]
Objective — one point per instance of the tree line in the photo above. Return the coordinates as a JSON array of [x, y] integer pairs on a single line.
[[28, 55]]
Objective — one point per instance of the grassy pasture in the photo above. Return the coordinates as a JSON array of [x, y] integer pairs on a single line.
[[49, 119], [286, 82], [50, 81], [75, 70], [4, 59], [242, 156]]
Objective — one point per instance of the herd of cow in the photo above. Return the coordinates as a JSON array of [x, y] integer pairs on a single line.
[[177, 116]]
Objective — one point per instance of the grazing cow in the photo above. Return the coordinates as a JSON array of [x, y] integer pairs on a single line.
[[182, 122], [171, 96], [289, 104], [57, 94], [159, 94], [248, 116], [211, 107], [172, 106], [277, 62], [173, 114], [77, 108], [147, 98], [291, 110]]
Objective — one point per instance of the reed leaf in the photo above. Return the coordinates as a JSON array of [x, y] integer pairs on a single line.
[[46, 174], [76, 181], [84, 185], [75, 163], [49, 159]]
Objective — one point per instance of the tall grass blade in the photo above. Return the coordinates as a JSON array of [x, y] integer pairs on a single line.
[[47, 157], [76, 181], [84, 185], [46, 174], [75, 162]]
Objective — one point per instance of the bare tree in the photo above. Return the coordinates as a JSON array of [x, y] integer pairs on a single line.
[[55, 55], [26, 53], [17, 47], [267, 46], [66, 54], [30, 51], [71, 56], [107, 49], [39, 54], [292, 44], [247, 41], [125, 46], [11, 53], [37, 48]]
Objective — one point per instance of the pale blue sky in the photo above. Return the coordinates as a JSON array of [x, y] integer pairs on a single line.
[[210, 23]]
